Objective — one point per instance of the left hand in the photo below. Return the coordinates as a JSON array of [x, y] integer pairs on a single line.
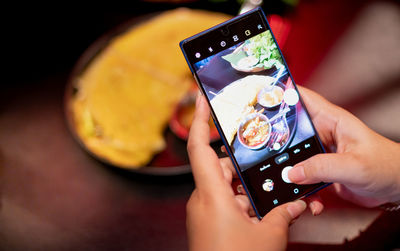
[[217, 219]]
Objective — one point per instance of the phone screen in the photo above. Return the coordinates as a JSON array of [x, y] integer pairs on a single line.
[[256, 107]]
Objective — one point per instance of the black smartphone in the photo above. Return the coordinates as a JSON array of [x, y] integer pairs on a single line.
[[255, 106]]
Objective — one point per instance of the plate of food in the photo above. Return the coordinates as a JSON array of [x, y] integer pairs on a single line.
[[255, 54], [253, 125], [126, 87]]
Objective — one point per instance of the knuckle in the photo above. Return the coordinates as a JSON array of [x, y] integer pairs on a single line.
[[316, 168], [309, 170]]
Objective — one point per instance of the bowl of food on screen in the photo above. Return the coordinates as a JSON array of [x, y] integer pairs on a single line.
[[270, 96], [254, 131], [255, 54], [247, 64]]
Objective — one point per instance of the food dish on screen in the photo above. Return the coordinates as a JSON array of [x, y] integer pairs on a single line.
[[236, 101], [241, 111], [255, 54]]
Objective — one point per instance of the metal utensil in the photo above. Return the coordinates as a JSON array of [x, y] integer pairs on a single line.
[[280, 114], [249, 5]]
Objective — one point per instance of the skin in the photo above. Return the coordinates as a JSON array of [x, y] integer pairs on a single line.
[[217, 219], [364, 165]]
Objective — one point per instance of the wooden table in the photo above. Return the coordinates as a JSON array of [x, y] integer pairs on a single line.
[[54, 196]]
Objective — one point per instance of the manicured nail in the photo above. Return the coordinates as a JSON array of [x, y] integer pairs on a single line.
[[296, 208], [296, 174]]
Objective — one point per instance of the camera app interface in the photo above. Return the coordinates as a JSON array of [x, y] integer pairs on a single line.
[[259, 111]]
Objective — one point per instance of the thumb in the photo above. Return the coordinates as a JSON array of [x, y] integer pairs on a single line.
[[283, 215], [329, 167]]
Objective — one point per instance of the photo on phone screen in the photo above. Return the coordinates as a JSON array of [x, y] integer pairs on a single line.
[[256, 106]]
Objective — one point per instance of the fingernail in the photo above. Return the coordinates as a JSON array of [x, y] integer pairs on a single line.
[[239, 189], [312, 207], [296, 174], [296, 208]]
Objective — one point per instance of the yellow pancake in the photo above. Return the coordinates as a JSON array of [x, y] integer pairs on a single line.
[[128, 93]]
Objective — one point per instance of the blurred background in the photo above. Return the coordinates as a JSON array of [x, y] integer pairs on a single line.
[[55, 196]]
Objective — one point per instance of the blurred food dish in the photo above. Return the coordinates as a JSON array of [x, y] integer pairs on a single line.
[[182, 118], [125, 88]]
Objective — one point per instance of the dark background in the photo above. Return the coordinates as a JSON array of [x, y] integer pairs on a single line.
[[46, 39]]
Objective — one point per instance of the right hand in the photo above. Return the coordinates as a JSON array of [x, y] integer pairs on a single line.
[[364, 164]]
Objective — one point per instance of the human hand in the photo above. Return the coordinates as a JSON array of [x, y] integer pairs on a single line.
[[364, 164], [217, 219]]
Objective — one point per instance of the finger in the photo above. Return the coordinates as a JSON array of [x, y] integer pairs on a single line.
[[226, 171], [329, 167], [252, 213], [227, 163], [246, 205], [315, 204], [313, 101], [334, 124], [204, 161], [255, 220], [324, 114], [283, 215], [243, 202], [240, 189], [223, 149]]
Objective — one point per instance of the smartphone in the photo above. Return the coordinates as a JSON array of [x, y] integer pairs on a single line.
[[256, 107]]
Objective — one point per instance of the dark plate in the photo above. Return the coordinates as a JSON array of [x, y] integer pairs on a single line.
[[173, 160]]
